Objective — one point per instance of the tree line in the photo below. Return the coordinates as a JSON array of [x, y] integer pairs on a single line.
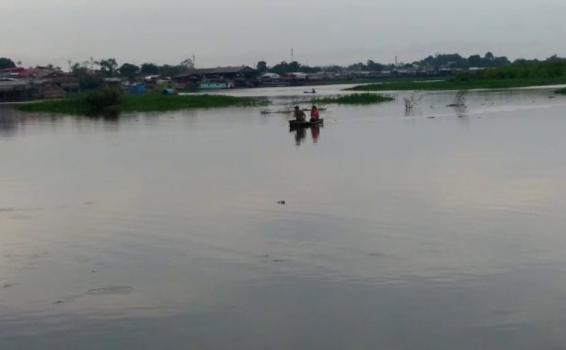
[[436, 62], [91, 73], [552, 67]]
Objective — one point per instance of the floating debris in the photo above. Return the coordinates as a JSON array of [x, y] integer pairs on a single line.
[[110, 291], [266, 112], [376, 254]]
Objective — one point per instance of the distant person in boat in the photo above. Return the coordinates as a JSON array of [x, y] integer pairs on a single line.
[[315, 114], [313, 91], [299, 115]]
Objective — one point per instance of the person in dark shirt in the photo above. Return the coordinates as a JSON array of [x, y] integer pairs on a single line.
[[299, 114]]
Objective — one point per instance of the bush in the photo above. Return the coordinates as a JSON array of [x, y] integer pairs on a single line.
[[106, 100]]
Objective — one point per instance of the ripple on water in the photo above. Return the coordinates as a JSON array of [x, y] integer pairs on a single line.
[[114, 290]]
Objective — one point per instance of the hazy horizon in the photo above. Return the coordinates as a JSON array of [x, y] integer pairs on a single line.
[[223, 32]]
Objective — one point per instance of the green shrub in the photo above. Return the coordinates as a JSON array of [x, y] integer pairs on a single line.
[[108, 99]]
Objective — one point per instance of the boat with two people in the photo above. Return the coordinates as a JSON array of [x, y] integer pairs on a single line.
[[301, 121]]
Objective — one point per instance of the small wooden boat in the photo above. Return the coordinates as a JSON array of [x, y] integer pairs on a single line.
[[295, 124]]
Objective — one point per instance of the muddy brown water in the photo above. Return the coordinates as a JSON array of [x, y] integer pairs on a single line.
[[435, 227]]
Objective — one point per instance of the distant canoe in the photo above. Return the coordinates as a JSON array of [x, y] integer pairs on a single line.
[[295, 124]]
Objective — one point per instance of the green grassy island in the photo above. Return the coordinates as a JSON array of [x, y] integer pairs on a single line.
[[455, 84], [112, 102], [354, 99], [519, 74]]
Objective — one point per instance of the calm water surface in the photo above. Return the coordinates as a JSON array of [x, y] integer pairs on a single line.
[[433, 228]]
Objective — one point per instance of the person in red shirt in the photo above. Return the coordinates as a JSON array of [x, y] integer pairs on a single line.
[[315, 114]]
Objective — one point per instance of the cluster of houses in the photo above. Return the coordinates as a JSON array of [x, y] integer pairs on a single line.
[[247, 77], [20, 84]]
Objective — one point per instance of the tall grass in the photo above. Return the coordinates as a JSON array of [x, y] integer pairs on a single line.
[[353, 99], [102, 102]]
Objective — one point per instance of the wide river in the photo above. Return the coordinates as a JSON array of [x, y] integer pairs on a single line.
[[438, 227]]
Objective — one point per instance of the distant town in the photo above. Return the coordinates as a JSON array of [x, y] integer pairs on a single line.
[[20, 83]]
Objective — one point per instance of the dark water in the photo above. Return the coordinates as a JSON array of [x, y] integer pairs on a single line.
[[433, 228]]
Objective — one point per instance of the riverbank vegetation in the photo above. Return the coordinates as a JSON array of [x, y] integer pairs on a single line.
[[354, 99], [521, 73], [111, 101]]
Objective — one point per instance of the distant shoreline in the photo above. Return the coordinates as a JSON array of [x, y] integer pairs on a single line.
[[451, 85]]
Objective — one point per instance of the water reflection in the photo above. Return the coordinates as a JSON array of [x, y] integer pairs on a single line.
[[459, 104], [300, 133], [315, 133], [8, 125], [12, 121], [412, 104]]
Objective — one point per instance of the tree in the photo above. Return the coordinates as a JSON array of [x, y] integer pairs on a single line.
[[108, 66], [171, 71], [261, 67], [188, 64], [475, 61], [129, 70], [373, 66], [149, 69], [88, 80], [333, 68], [103, 101], [292, 67], [501, 61], [357, 66], [6, 63]]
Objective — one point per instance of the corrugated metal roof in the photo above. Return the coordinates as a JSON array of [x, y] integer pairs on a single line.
[[218, 70]]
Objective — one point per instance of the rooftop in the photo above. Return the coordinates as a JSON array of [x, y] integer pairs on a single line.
[[219, 70]]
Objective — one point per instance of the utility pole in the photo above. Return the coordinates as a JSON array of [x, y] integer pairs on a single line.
[[292, 55]]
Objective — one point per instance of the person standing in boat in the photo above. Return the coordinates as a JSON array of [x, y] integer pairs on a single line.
[[299, 114], [315, 114]]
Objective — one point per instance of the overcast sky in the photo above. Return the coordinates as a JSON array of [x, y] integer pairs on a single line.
[[234, 32]]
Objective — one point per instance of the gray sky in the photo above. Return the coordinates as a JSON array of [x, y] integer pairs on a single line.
[[221, 32]]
